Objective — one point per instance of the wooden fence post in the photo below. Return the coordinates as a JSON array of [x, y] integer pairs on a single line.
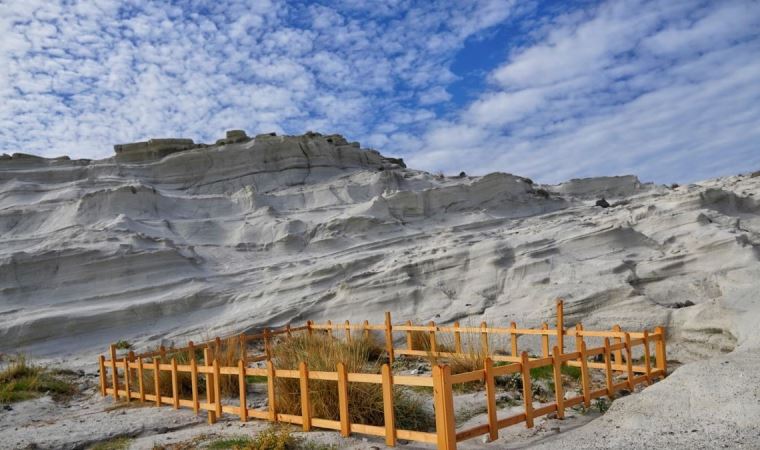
[[348, 331], [527, 389], [513, 339], [127, 386], [268, 343], [157, 379], [308, 327], [617, 354], [629, 360], [191, 350], [647, 362], [175, 384], [102, 374], [608, 369], [561, 325], [288, 333], [140, 376], [389, 337], [194, 384], [329, 329], [305, 401], [433, 342], [559, 390], [493, 426], [243, 388], [217, 388], [660, 355], [409, 338], [132, 373], [578, 336], [271, 393], [365, 325], [243, 350], [445, 427], [114, 373], [457, 339], [545, 341], [390, 418], [209, 385], [345, 419], [585, 376], [484, 338]]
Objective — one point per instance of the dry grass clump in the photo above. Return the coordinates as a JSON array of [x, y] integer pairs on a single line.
[[20, 380], [228, 352], [365, 400]]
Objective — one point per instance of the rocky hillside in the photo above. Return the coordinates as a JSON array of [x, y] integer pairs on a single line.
[[259, 232]]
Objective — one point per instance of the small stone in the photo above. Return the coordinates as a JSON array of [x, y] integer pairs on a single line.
[[602, 203]]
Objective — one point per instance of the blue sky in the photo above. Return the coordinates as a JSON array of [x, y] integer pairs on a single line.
[[668, 90]]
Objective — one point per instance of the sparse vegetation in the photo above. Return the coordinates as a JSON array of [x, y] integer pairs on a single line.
[[276, 437], [121, 443], [365, 400], [123, 345], [20, 380]]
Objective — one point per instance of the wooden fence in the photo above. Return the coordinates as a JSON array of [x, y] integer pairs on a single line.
[[614, 357]]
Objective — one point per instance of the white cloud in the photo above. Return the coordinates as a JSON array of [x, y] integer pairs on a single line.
[[77, 77], [668, 90]]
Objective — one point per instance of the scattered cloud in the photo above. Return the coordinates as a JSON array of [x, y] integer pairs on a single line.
[[666, 89]]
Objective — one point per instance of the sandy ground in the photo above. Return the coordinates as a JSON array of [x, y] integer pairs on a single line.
[[89, 418]]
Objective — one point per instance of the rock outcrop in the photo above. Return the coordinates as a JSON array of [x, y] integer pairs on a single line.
[[262, 231]]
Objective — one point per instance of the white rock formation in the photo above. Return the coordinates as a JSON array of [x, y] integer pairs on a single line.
[[229, 238]]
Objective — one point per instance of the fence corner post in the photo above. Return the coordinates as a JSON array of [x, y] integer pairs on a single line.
[[444, 408]]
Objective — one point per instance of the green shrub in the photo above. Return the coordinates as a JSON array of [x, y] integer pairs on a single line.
[[22, 381]]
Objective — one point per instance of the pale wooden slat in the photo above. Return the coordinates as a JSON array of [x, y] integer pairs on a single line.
[[419, 436], [511, 420], [325, 423], [412, 380]]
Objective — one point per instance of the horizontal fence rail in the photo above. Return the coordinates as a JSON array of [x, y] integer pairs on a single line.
[[124, 377]]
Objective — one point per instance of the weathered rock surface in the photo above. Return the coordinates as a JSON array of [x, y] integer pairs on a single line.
[[261, 232]]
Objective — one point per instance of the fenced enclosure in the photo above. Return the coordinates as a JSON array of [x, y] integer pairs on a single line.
[[156, 376]]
